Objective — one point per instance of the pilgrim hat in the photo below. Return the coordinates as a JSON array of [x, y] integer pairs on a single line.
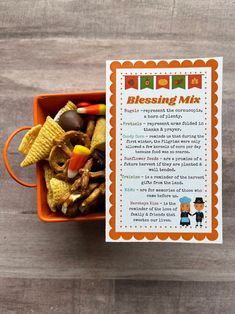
[[199, 200]]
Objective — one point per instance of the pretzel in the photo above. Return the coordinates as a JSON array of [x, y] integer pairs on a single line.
[[90, 127], [54, 158], [71, 202], [81, 137], [81, 181], [92, 199], [63, 148], [94, 175]]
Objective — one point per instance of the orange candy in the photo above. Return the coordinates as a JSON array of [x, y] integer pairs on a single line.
[[83, 104], [78, 159]]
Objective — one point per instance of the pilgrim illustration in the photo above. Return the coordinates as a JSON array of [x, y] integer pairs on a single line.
[[199, 206], [185, 211]]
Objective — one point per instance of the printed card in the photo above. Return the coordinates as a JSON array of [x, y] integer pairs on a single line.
[[163, 157]]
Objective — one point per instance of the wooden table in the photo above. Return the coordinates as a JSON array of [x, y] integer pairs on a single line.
[[61, 46]]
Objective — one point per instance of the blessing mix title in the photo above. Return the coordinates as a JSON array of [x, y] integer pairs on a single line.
[[171, 101]]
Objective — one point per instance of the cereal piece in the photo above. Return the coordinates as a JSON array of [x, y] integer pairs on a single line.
[[98, 138], [43, 143], [29, 139], [50, 201], [59, 189], [48, 175], [69, 106]]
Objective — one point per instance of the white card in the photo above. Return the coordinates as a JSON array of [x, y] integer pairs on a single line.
[[163, 155]]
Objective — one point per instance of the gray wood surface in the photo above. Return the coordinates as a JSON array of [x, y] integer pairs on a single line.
[[55, 46], [115, 296]]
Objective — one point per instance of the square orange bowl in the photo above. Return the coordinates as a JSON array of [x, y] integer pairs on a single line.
[[43, 106]]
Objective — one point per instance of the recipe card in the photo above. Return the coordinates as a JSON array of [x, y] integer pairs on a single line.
[[163, 155]]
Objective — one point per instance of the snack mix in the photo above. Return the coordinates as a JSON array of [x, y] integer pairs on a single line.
[[72, 146]]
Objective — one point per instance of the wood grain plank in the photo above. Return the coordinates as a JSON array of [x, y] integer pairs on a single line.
[[30, 249], [114, 297], [56, 296], [209, 20], [151, 297]]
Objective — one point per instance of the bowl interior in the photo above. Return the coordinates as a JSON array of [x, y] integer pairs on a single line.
[[45, 105]]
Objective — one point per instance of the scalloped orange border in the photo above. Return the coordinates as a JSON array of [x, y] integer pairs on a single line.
[[214, 131]]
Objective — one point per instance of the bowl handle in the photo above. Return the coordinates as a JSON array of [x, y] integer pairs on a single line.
[[5, 157]]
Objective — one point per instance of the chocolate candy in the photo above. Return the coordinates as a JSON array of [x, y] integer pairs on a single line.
[[71, 120], [98, 160]]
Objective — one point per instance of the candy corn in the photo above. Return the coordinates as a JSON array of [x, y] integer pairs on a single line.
[[79, 157], [98, 110], [83, 104]]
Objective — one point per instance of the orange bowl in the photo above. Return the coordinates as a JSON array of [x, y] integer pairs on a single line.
[[43, 106]]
